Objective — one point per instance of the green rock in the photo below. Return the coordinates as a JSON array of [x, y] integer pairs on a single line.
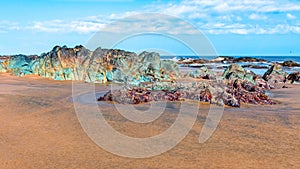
[[235, 71]]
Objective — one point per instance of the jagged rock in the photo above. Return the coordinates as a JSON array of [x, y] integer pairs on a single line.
[[99, 66], [294, 77], [290, 63], [247, 92], [203, 73], [20, 64], [232, 94], [234, 71], [169, 70], [275, 74]]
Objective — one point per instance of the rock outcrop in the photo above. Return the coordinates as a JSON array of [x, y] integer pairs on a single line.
[[275, 74], [294, 77], [290, 63], [234, 71], [202, 73], [99, 66], [231, 94]]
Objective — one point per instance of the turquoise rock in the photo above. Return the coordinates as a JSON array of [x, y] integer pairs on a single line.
[[109, 76], [99, 66]]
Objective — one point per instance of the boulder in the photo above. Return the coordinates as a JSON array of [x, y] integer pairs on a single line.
[[294, 77], [234, 71], [275, 74], [248, 59], [203, 73], [290, 63]]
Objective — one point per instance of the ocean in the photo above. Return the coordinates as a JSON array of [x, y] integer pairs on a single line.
[[261, 71]]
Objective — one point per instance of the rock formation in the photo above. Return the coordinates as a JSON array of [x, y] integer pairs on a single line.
[[290, 63], [203, 73], [294, 77], [275, 74], [235, 71], [99, 66], [148, 78]]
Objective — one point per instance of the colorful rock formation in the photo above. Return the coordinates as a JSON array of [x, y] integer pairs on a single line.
[[148, 78], [99, 66]]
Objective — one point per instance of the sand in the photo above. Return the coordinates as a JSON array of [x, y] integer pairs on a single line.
[[39, 129]]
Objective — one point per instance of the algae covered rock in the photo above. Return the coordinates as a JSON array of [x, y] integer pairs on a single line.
[[234, 71], [20, 64], [99, 66]]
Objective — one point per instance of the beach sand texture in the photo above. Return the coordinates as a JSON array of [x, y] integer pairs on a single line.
[[39, 129]]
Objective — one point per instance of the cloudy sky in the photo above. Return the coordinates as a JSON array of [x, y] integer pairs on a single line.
[[244, 27]]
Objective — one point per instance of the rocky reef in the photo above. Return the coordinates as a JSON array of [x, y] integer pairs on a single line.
[[220, 59], [232, 88], [231, 92], [147, 78]]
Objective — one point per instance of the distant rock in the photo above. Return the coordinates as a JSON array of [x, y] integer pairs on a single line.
[[202, 73], [248, 59], [192, 61], [290, 63], [255, 66]]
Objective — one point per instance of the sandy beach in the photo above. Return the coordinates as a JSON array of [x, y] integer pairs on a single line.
[[39, 129]]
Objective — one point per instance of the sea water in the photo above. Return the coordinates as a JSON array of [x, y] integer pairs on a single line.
[[260, 71]]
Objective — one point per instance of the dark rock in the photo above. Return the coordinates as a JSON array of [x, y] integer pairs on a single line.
[[255, 66], [290, 63], [294, 77], [275, 74], [232, 94], [248, 59]]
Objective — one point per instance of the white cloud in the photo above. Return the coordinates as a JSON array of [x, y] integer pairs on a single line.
[[255, 16], [290, 16], [79, 26], [213, 16], [6, 26]]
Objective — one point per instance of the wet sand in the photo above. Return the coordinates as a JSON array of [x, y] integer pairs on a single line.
[[39, 129]]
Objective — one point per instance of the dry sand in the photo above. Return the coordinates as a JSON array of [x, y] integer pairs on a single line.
[[39, 129]]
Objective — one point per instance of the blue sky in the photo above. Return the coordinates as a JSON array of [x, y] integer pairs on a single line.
[[245, 27]]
